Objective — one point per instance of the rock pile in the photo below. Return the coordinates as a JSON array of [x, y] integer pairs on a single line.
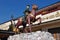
[[38, 35]]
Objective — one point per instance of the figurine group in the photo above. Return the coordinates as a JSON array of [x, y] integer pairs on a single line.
[[28, 18]]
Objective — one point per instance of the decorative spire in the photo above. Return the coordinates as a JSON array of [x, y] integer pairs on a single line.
[[12, 17]]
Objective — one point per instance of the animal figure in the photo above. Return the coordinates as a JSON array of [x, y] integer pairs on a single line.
[[28, 18], [32, 14]]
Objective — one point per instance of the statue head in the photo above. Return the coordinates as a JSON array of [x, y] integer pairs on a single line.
[[20, 19], [27, 11], [28, 6], [35, 7]]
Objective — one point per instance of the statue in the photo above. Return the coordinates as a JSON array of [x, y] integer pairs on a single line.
[[12, 26], [28, 18], [23, 20]]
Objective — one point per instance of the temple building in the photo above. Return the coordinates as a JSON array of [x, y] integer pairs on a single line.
[[50, 21]]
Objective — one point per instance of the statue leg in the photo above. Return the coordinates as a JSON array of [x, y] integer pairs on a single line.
[[24, 27], [30, 28], [29, 22]]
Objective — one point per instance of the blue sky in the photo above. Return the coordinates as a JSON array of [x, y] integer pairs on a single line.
[[16, 7]]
